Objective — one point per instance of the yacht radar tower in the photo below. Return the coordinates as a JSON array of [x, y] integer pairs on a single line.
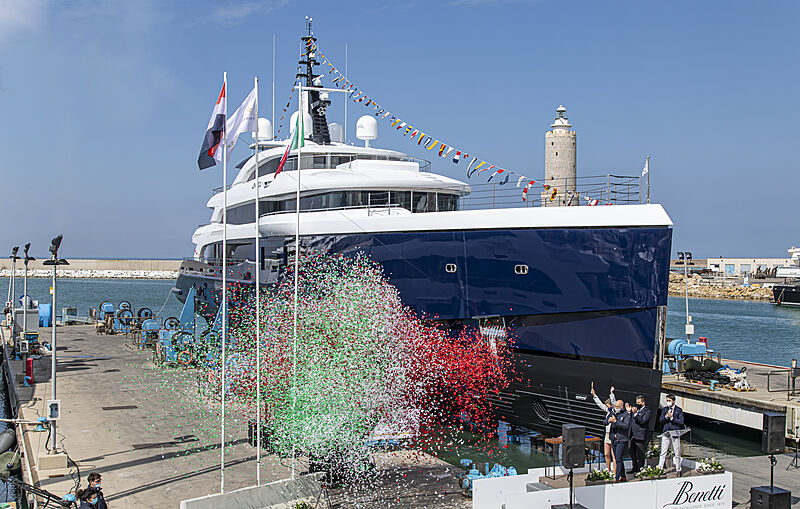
[[317, 101]]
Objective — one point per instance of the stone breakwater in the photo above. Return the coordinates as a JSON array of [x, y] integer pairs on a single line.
[[95, 274], [704, 288]]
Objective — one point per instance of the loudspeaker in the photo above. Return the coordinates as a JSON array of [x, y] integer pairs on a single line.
[[573, 447], [266, 434], [764, 497], [773, 434]]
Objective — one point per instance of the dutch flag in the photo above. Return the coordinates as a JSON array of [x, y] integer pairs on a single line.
[[211, 152]]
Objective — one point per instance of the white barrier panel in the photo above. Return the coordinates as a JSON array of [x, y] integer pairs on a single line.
[[696, 492], [258, 497]]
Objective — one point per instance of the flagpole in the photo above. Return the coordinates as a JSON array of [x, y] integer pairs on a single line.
[[224, 302], [345, 99], [258, 309], [273, 87], [648, 179], [300, 133]]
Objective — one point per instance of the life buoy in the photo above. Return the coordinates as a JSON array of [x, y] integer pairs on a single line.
[[184, 357]]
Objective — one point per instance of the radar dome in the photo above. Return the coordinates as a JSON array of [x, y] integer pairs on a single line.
[[308, 126], [367, 129], [337, 133], [264, 130]]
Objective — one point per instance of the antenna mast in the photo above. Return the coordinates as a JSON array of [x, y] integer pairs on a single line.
[[317, 101]]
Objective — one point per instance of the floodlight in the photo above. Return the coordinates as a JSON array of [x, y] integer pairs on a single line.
[[55, 244]]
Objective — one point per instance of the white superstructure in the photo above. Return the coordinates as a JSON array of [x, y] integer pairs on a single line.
[[338, 179]]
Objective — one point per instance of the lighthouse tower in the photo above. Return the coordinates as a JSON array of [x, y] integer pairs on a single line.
[[560, 168]]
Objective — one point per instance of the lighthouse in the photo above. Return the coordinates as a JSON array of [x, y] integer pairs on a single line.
[[560, 166]]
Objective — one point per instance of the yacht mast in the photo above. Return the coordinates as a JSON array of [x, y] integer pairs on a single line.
[[317, 102]]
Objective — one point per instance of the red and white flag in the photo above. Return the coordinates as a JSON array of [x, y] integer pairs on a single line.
[[211, 152]]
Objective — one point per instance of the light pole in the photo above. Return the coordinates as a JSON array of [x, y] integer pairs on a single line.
[[55, 261], [25, 293], [11, 290], [686, 259]]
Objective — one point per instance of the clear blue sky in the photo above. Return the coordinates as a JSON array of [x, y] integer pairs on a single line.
[[104, 104]]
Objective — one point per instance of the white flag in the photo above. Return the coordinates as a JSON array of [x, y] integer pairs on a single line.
[[646, 168], [244, 119]]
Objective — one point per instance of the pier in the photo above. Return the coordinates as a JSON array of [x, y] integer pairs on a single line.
[[735, 407], [156, 442]]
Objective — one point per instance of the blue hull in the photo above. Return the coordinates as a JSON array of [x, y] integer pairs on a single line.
[[585, 299]]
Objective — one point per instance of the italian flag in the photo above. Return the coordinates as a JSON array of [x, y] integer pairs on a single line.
[[298, 140]]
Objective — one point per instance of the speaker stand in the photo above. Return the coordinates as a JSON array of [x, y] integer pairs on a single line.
[[772, 463], [796, 461], [571, 505]]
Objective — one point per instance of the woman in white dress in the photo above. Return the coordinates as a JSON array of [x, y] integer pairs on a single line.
[[607, 406]]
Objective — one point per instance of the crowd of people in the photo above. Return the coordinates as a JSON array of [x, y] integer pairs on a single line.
[[628, 429]]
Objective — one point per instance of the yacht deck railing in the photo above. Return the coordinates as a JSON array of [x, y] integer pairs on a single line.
[[614, 189]]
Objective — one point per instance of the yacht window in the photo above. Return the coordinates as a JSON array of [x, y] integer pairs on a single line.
[[242, 251], [336, 160], [424, 202], [378, 198], [271, 166], [414, 201], [446, 202], [242, 214], [401, 199]]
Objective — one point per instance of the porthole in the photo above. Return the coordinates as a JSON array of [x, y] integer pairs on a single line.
[[520, 269], [450, 267]]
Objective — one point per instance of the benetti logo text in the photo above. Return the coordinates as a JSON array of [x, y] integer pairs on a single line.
[[687, 498]]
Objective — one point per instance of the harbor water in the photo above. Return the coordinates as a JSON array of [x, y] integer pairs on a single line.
[[755, 331], [748, 330], [85, 293]]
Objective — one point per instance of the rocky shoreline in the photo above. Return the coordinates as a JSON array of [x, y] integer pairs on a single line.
[[703, 288], [95, 274]]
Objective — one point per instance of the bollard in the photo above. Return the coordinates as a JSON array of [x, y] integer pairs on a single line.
[[29, 369]]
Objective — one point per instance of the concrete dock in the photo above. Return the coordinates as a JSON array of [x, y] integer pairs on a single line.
[[740, 408], [155, 442]]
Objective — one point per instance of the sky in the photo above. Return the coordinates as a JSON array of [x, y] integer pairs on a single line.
[[104, 104]]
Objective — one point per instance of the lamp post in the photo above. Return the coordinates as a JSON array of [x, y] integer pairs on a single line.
[[55, 261], [685, 258], [11, 290], [27, 259]]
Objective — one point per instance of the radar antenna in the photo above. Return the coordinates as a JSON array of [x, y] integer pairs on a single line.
[[317, 102]]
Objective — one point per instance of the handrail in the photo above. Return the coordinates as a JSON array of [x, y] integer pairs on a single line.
[[219, 189], [791, 381]]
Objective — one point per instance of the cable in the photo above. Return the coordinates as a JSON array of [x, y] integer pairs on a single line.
[[163, 306], [49, 435]]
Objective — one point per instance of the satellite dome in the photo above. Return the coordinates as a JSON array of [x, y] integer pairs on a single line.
[[367, 129], [308, 126], [336, 132], [264, 130]]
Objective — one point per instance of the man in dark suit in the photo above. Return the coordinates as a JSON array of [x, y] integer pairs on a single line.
[[672, 419], [620, 422], [640, 433]]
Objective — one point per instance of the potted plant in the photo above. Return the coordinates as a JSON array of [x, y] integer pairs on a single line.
[[652, 454], [651, 473], [597, 476], [710, 466]]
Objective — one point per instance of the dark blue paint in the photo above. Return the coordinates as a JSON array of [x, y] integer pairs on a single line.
[[589, 294], [570, 270], [627, 335]]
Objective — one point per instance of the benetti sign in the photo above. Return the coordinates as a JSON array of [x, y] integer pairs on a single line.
[[697, 492], [713, 491]]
